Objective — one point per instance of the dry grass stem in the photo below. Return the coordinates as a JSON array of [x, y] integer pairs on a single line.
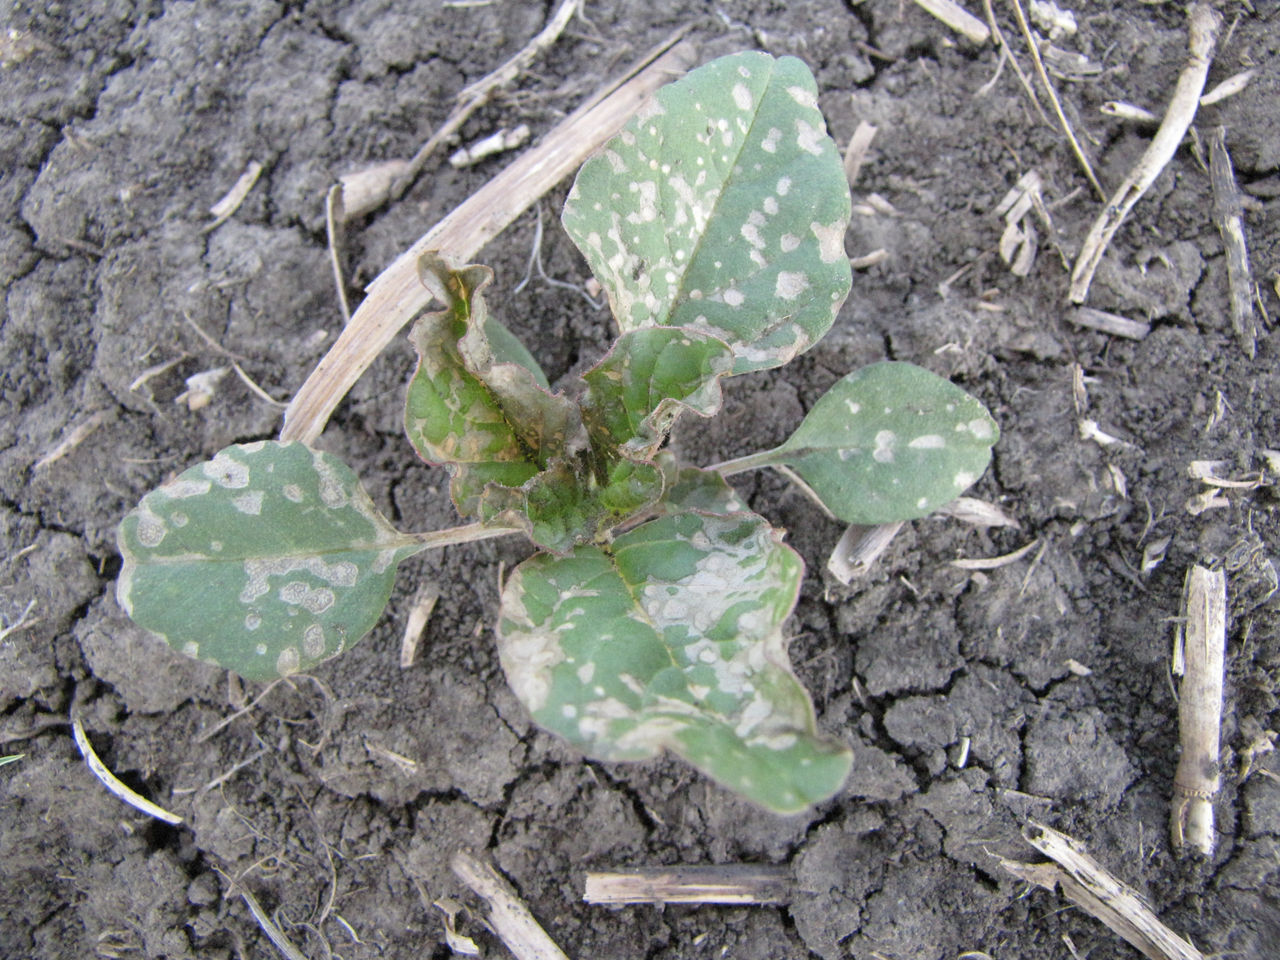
[[1088, 885], [858, 550], [1111, 323], [368, 188], [1200, 659], [855, 155], [397, 294], [273, 932], [727, 883], [1053, 98], [229, 204], [1204, 25], [1013, 61], [957, 18], [113, 784], [77, 436], [472, 98], [1227, 88], [869, 260], [423, 603], [335, 219], [1227, 212], [509, 917], [993, 563], [499, 142]]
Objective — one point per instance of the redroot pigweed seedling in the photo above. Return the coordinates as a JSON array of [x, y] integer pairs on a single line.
[[652, 617]]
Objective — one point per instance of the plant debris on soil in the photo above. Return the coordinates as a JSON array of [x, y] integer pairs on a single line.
[[1025, 697]]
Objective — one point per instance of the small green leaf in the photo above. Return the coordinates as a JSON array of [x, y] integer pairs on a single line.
[[722, 207], [488, 421], [672, 638], [266, 560], [634, 393], [890, 442]]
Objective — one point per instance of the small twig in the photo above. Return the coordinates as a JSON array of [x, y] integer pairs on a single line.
[[855, 155], [334, 219], [72, 440], [1204, 27], [1092, 888], [473, 97], [398, 294], [1226, 211], [1199, 658], [957, 18], [1053, 98], [1111, 323], [510, 918], [113, 784], [726, 883], [1013, 60], [993, 563], [229, 204]]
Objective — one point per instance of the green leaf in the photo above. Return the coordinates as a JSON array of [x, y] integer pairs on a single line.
[[722, 207], [634, 393], [266, 560], [672, 638], [490, 422], [889, 442]]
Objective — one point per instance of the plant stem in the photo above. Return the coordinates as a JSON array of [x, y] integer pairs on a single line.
[[752, 461], [468, 533]]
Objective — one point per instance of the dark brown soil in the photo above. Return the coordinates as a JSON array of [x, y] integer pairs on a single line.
[[121, 121]]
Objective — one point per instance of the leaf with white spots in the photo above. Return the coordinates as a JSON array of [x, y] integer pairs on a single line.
[[671, 638], [266, 560], [721, 208], [488, 421], [635, 393], [889, 442]]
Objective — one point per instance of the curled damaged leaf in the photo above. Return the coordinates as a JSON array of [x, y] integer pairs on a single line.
[[722, 208], [889, 442], [635, 393], [488, 421], [671, 638], [266, 560]]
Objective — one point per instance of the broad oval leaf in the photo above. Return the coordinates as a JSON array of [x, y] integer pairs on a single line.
[[672, 638], [890, 442], [266, 560], [721, 207], [634, 393]]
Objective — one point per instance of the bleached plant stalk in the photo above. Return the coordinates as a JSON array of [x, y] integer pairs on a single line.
[[719, 883], [1204, 27], [1202, 641]]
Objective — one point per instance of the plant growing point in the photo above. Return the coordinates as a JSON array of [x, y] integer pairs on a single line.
[[652, 616]]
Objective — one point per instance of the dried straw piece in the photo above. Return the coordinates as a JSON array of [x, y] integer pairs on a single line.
[[1111, 323], [1203, 37], [1227, 214], [397, 294], [509, 917], [112, 782], [858, 550], [721, 883], [957, 18], [1084, 882], [1199, 658]]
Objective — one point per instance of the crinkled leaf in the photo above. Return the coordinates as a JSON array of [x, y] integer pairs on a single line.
[[672, 638], [565, 504], [488, 421], [722, 207], [634, 393], [266, 560], [890, 442]]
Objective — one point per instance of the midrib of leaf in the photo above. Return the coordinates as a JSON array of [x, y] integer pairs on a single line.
[[697, 247], [607, 550]]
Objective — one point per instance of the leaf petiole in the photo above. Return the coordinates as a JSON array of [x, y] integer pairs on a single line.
[[467, 533], [753, 461]]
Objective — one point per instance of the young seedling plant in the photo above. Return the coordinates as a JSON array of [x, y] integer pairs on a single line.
[[652, 616]]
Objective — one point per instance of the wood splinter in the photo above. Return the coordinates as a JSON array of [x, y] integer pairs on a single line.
[[508, 916], [1199, 657]]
